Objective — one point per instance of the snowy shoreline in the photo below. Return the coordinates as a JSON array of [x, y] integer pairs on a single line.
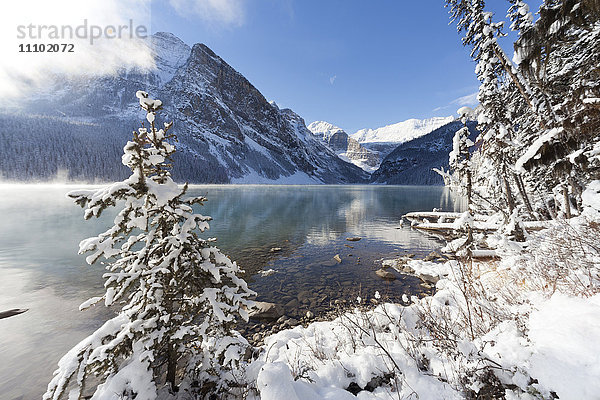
[[506, 331]]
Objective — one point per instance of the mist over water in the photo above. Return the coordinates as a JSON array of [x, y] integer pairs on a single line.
[[40, 269]]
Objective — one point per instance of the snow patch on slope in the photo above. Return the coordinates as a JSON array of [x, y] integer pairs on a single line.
[[169, 53], [323, 129], [359, 163], [351, 151], [402, 131]]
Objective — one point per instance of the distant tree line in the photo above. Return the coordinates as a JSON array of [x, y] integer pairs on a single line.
[[40, 147]]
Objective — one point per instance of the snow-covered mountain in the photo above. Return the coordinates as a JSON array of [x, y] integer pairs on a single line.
[[382, 141], [345, 147], [367, 148], [170, 53], [227, 130], [402, 131], [411, 162]]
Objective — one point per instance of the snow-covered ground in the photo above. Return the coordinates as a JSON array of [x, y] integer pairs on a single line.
[[524, 327]]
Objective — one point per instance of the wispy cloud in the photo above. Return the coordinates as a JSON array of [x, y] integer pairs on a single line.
[[229, 12], [468, 100], [332, 79]]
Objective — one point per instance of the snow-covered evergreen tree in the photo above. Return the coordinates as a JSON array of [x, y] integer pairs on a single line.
[[178, 294], [539, 115], [460, 163], [498, 81], [560, 53], [460, 159]]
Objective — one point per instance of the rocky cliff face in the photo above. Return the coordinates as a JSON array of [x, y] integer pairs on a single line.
[[345, 146], [227, 130], [234, 129], [411, 163], [361, 156]]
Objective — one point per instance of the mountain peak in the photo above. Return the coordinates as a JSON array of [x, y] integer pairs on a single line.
[[323, 128], [169, 53], [167, 36], [200, 48]]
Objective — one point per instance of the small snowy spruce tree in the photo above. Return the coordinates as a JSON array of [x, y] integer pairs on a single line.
[[178, 293], [460, 166], [459, 158]]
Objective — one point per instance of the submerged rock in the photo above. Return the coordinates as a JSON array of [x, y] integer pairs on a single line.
[[382, 273], [430, 279], [292, 305], [265, 310], [331, 263]]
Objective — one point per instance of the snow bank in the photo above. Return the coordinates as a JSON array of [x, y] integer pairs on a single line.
[[565, 334], [323, 359], [591, 196], [275, 382]]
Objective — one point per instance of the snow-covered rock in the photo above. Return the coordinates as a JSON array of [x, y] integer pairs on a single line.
[[324, 129]]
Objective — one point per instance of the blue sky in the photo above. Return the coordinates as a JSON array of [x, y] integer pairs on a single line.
[[357, 64]]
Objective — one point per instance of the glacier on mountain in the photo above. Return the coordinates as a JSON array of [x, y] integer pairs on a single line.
[[400, 132]]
